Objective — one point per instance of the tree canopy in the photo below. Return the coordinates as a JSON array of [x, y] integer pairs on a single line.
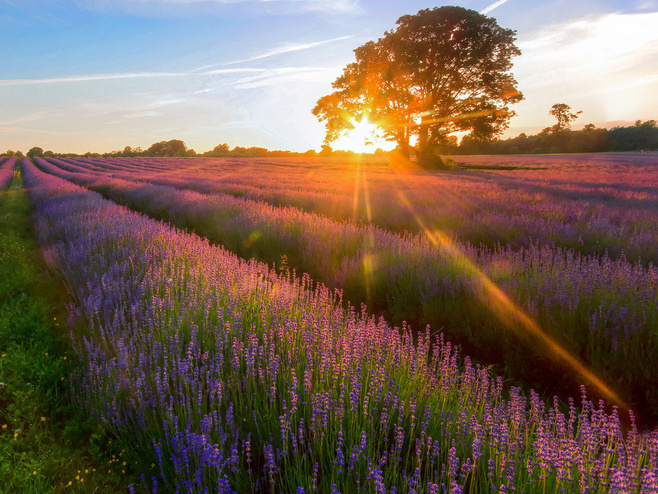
[[441, 71], [563, 115], [35, 151], [174, 147]]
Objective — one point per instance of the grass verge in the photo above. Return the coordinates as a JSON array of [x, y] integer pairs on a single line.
[[46, 445]]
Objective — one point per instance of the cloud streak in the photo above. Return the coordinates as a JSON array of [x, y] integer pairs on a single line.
[[262, 7], [288, 48], [119, 76], [604, 65], [88, 78], [141, 114], [492, 6], [284, 75]]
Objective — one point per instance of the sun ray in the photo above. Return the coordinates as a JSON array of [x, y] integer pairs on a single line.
[[357, 184], [508, 312]]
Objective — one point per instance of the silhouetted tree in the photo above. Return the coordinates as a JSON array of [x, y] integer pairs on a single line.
[[441, 71], [562, 112]]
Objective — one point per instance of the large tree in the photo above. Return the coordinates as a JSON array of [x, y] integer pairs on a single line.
[[441, 71]]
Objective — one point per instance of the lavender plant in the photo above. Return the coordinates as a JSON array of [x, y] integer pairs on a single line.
[[6, 171]]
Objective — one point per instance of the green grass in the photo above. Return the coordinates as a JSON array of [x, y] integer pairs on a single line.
[[46, 444]]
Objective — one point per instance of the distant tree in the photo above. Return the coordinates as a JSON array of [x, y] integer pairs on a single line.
[[35, 151], [562, 112], [441, 71], [174, 147], [326, 150], [256, 152], [219, 150]]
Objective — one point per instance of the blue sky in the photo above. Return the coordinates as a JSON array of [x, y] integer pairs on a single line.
[[81, 75]]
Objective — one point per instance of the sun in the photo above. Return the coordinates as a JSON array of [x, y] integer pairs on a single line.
[[362, 138]]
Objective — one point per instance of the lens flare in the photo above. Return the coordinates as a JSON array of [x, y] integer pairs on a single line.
[[508, 312]]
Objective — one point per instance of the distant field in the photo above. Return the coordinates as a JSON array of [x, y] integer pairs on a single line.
[[542, 265], [592, 203]]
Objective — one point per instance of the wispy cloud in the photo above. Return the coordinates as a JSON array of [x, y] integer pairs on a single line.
[[89, 77], [24, 118], [288, 48], [283, 75], [36, 131], [647, 5], [604, 65], [324, 6], [118, 76], [492, 6], [591, 47], [141, 114], [263, 7]]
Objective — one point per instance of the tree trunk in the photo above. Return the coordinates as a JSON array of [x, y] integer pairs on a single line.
[[427, 156], [423, 135], [403, 146]]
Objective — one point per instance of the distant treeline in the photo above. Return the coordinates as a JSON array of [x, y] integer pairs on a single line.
[[643, 136], [176, 148]]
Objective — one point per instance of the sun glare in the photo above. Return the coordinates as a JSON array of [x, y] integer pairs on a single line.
[[362, 138]]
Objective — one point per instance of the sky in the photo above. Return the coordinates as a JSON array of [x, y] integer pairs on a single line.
[[99, 75]]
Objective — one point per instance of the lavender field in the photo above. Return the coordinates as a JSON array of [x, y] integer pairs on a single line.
[[578, 316], [290, 325]]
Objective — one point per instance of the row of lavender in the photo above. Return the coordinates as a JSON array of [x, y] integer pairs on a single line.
[[592, 204], [6, 171], [603, 312], [231, 378]]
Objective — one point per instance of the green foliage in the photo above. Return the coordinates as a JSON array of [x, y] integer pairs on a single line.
[[643, 136], [174, 147], [35, 151], [441, 71], [44, 440]]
